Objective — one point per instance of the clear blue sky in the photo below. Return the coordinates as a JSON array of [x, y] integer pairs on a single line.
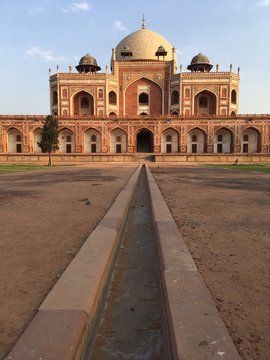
[[38, 34]]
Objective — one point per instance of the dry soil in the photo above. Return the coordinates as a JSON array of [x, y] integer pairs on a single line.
[[224, 217], [45, 216]]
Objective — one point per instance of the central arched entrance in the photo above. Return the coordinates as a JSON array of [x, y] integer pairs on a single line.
[[145, 141]]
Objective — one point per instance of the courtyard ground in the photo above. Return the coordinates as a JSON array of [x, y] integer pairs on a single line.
[[45, 216], [224, 217]]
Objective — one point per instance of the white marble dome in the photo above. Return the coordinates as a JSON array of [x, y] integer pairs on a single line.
[[143, 44]]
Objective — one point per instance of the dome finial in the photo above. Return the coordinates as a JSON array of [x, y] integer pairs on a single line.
[[143, 22]]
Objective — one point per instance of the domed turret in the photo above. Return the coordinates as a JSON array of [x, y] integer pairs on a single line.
[[88, 64], [126, 51], [200, 63], [161, 51]]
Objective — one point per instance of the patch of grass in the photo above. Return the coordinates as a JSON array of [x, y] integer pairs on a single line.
[[263, 168], [9, 168]]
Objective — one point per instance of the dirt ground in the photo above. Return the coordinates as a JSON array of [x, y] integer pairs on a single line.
[[45, 216], [224, 217]]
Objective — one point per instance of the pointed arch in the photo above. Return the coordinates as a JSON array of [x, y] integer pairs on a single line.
[[187, 93], [92, 140], [197, 140], [170, 140], [223, 140], [143, 95], [223, 112], [83, 103], [145, 77], [144, 140], [118, 141], [250, 140], [224, 92], [100, 93], [175, 97], [205, 103], [66, 140], [64, 93], [36, 138], [55, 97], [112, 98], [14, 140], [233, 96]]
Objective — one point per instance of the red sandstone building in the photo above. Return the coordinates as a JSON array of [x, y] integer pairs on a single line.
[[145, 103]]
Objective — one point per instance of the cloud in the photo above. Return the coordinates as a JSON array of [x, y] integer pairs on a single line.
[[117, 24], [263, 3], [179, 52], [35, 11], [76, 58], [47, 55], [75, 7]]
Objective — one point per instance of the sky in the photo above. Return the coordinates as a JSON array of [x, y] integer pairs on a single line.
[[36, 35]]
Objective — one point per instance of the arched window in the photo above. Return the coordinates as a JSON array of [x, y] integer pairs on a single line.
[[223, 112], [100, 94], [224, 93], [233, 97], [55, 98], [175, 97], [93, 138], [18, 138], [233, 113], [68, 138], [219, 138], [100, 112], [112, 113], [118, 138], [65, 113], [203, 102], [245, 137], [84, 102], [112, 98], [144, 99], [187, 112], [187, 93], [64, 93], [194, 138], [169, 138]]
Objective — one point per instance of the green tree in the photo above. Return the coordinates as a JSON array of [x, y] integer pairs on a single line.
[[49, 137]]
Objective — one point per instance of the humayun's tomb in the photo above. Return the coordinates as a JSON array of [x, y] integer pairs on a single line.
[[144, 104]]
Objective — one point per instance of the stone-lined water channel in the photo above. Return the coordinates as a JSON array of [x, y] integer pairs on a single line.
[[131, 322]]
